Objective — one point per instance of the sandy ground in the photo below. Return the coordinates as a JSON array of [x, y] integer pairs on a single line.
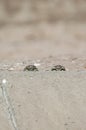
[[43, 40], [49, 44], [43, 100]]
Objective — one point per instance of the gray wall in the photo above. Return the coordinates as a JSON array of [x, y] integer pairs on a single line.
[[32, 11]]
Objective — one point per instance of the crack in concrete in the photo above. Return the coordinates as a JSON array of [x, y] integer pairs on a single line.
[[7, 101]]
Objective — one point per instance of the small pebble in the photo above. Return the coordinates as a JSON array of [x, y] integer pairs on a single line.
[[11, 69], [4, 81], [36, 64]]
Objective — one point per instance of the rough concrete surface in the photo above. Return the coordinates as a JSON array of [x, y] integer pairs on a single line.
[[43, 100]]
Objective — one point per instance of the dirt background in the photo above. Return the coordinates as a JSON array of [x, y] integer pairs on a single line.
[[34, 11], [48, 31]]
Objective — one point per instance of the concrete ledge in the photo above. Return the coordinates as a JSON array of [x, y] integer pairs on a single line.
[[43, 100]]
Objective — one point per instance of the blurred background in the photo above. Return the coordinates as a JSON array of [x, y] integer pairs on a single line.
[[32, 29]]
